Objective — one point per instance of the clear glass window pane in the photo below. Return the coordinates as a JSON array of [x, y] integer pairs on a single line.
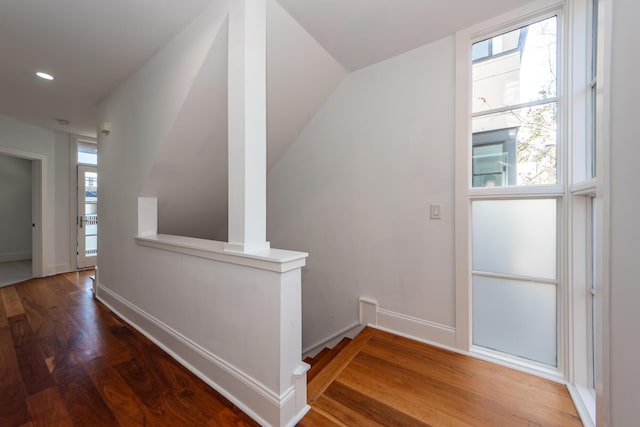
[[515, 317], [480, 50], [529, 136], [91, 187], [520, 68], [515, 237], [505, 42]]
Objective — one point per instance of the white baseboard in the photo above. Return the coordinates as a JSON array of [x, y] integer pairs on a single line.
[[60, 268], [585, 404], [15, 256], [409, 326], [349, 332], [252, 397]]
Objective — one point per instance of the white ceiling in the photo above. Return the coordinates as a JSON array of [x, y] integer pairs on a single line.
[[90, 46], [93, 45]]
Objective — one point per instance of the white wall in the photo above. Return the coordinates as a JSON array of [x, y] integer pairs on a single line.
[[15, 209], [53, 147], [64, 234], [189, 175], [225, 321], [142, 112], [625, 204], [354, 191]]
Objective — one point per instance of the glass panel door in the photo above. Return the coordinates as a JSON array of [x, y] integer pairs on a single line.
[[87, 216]]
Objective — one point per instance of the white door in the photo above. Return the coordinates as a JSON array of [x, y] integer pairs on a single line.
[[87, 216]]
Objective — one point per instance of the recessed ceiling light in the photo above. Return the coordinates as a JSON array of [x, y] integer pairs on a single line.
[[44, 76]]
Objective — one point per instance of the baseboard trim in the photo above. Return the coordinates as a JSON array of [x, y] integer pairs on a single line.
[[225, 378], [348, 332], [15, 256], [60, 268], [423, 330], [586, 409]]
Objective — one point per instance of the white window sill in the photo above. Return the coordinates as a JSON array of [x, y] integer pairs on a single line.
[[277, 260]]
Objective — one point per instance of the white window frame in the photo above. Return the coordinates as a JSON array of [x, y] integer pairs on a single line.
[[74, 142], [576, 189], [465, 193]]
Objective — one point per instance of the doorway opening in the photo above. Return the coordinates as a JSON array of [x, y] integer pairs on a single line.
[[87, 205], [16, 202], [87, 216]]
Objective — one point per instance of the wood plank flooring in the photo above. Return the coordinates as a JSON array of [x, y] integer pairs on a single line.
[[65, 360], [381, 379]]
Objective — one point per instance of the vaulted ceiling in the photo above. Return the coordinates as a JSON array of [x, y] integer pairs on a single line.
[[91, 46]]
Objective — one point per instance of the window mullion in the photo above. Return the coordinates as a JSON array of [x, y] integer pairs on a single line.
[[508, 108]]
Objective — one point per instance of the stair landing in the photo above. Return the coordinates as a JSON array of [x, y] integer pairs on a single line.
[[380, 379]]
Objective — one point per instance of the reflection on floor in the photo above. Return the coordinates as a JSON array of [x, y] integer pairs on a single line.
[[14, 272]]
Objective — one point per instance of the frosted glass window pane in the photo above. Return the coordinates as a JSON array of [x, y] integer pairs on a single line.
[[88, 158], [516, 237], [87, 153], [515, 317], [90, 208]]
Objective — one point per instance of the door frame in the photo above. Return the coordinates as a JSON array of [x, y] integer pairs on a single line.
[[40, 238], [80, 187]]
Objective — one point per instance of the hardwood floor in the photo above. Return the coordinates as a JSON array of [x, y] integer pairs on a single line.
[[65, 360], [381, 379]]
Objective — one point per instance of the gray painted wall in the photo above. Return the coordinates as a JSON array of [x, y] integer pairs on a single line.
[[15, 209]]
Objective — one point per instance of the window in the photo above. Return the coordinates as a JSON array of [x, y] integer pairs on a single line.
[[593, 90], [515, 91], [514, 256], [503, 44], [529, 200], [493, 154], [514, 277], [87, 153]]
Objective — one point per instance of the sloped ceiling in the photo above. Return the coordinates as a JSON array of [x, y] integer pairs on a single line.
[[189, 175], [362, 32], [300, 77]]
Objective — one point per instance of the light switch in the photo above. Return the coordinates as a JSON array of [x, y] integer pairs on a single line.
[[435, 211]]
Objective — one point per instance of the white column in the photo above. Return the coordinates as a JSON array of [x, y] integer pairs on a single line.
[[247, 126]]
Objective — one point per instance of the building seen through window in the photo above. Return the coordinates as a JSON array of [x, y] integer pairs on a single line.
[[514, 107]]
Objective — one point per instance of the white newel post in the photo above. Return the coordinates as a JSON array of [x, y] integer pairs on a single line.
[[247, 110], [247, 126]]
